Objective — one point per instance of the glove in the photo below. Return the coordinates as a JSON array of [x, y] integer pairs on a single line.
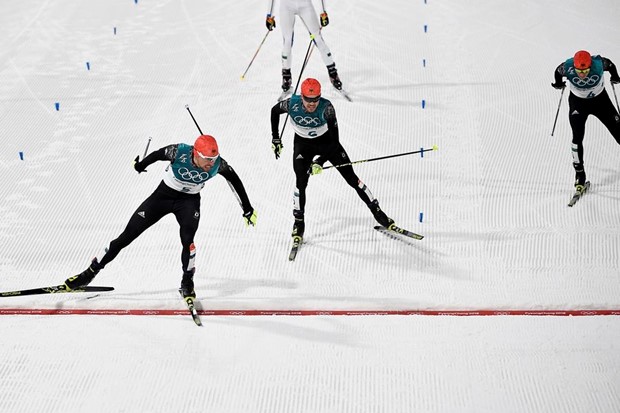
[[559, 85], [324, 19], [276, 146], [270, 22], [137, 165], [250, 218], [615, 79], [316, 169]]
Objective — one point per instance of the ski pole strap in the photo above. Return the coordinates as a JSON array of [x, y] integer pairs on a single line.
[[434, 148]]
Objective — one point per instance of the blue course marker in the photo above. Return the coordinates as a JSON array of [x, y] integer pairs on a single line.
[[21, 156], [57, 105]]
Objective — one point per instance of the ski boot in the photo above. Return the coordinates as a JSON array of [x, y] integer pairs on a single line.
[[187, 285], [379, 215], [85, 277], [286, 80], [298, 228], [580, 178], [333, 76]]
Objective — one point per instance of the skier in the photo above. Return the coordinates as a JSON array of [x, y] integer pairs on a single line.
[[305, 10], [178, 193], [316, 133], [588, 97]]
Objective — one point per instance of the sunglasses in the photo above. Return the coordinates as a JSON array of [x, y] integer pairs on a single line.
[[311, 100], [582, 71], [211, 159]]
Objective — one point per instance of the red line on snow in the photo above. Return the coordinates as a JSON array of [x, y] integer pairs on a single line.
[[460, 313]]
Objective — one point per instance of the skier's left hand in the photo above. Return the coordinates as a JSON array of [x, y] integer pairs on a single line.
[[250, 217], [615, 79], [316, 169], [324, 19]]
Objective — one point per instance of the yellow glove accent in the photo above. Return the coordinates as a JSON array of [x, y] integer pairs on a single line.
[[316, 169], [250, 218]]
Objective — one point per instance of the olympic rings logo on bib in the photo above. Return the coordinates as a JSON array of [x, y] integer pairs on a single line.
[[193, 175], [307, 120], [588, 81]]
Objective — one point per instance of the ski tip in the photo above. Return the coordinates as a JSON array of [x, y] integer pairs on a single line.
[[435, 147], [94, 288]]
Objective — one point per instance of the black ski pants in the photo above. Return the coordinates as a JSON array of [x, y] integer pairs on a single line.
[[579, 110], [186, 209], [328, 149]]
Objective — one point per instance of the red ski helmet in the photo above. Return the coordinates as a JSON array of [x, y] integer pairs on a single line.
[[206, 147], [582, 60], [310, 87]]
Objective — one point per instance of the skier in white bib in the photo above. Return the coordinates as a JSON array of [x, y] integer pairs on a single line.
[[305, 10]]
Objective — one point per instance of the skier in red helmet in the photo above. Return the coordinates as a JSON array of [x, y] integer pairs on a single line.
[[587, 97], [313, 119], [178, 193]]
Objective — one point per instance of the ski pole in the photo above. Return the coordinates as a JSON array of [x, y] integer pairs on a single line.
[[147, 147], [299, 78], [434, 148], [255, 54], [558, 111], [614, 89], [194, 119]]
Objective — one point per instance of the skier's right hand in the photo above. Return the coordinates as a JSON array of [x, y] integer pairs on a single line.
[[137, 165], [276, 146], [324, 19], [559, 85], [270, 22]]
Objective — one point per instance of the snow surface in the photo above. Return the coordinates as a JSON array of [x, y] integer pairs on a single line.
[[498, 233]]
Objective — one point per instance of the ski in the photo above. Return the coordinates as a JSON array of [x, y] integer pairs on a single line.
[[55, 289], [284, 95], [578, 193], [297, 241], [192, 309], [398, 230]]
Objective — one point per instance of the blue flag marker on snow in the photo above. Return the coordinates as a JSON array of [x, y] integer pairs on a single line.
[[423, 62], [57, 105], [115, 30], [423, 103], [425, 28], [421, 216], [87, 65], [21, 156]]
